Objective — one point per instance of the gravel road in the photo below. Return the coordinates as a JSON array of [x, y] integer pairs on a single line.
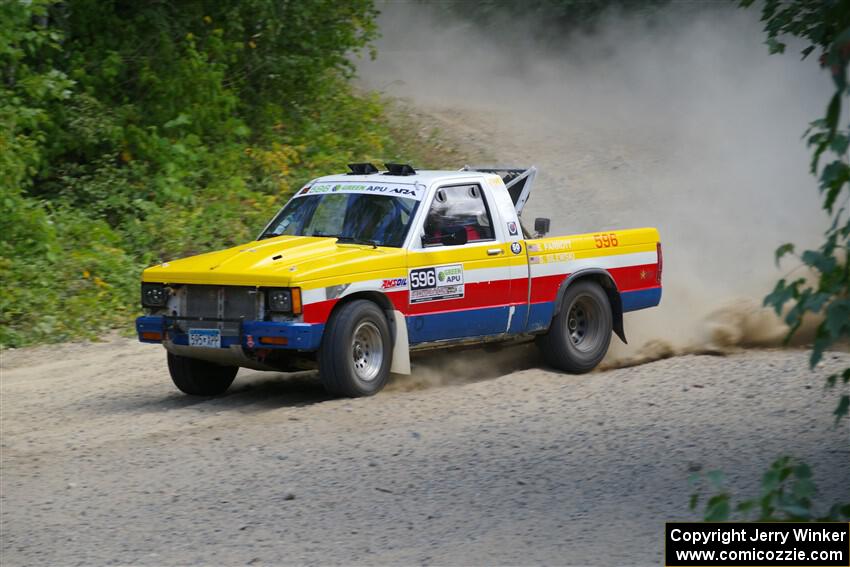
[[104, 462]]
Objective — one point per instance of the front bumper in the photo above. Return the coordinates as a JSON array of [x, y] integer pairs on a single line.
[[299, 336]]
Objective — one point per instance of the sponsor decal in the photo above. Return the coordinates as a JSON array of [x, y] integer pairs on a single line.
[[561, 257], [394, 283], [408, 191], [553, 258], [558, 245], [534, 248], [249, 341], [512, 229], [516, 247], [436, 283]]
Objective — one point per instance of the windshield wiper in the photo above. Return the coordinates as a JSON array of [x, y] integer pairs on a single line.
[[356, 240]]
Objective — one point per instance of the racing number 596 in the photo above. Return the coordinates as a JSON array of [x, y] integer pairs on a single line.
[[605, 240], [423, 278]]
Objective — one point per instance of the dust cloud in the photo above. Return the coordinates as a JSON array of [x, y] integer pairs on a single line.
[[682, 121]]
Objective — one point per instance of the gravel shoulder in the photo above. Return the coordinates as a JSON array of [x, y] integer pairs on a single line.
[[104, 462]]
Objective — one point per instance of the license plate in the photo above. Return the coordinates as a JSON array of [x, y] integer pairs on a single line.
[[207, 338]]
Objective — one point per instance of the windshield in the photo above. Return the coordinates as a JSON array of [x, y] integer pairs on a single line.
[[381, 220]]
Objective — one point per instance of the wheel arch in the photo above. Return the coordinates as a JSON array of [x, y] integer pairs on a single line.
[[607, 283], [374, 296], [395, 321]]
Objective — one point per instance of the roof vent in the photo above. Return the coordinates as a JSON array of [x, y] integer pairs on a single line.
[[362, 169], [399, 169]]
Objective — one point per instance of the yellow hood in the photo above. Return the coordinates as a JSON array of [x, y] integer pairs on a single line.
[[280, 261]]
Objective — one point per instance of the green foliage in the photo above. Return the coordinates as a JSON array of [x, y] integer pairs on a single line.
[[787, 488], [787, 495], [824, 26], [132, 132]]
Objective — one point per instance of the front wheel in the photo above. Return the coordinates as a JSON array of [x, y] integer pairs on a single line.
[[580, 333], [356, 351], [199, 377]]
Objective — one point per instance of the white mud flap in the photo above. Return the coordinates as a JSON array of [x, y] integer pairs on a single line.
[[401, 350]]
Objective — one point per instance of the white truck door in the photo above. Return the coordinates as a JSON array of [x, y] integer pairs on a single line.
[[459, 274]]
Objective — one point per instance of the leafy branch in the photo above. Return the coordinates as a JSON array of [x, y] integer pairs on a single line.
[[824, 26], [787, 495], [787, 488]]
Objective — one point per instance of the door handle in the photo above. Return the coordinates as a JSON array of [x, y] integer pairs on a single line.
[[494, 251]]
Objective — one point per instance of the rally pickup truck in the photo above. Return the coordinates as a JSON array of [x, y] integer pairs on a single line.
[[357, 270]]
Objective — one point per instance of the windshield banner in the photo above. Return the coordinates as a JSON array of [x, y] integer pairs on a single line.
[[407, 191]]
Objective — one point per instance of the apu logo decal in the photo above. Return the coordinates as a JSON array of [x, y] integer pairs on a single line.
[[394, 283], [396, 191], [516, 247], [512, 228], [436, 283]]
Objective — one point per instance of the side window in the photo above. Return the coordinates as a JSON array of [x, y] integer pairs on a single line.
[[458, 211]]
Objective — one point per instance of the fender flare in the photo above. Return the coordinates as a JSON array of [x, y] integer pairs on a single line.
[[396, 321], [603, 278]]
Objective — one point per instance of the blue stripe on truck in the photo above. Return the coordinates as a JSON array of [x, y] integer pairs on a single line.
[[640, 299]]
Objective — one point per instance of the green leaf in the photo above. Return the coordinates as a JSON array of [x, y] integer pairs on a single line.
[[818, 260], [775, 46], [796, 510], [837, 319], [803, 490], [833, 111], [781, 294], [840, 143], [746, 506], [803, 471], [770, 480], [787, 248], [693, 502], [718, 508], [715, 477], [843, 406], [833, 178], [181, 120]]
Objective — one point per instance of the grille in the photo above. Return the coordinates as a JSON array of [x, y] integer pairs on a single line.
[[214, 303]]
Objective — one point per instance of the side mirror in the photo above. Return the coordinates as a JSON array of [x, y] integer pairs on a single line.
[[541, 226], [455, 236]]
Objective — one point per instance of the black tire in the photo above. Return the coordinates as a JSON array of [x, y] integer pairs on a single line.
[[580, 333], [199, 377], [356, 350]]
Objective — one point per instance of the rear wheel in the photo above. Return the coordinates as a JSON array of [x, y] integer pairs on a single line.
[[356, 351], [580, 333], [199, 377]]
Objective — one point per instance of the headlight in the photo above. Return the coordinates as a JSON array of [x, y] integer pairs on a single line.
[[154, 295], [279, 300]]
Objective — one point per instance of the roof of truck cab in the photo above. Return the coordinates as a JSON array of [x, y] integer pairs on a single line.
[[427, 177]]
